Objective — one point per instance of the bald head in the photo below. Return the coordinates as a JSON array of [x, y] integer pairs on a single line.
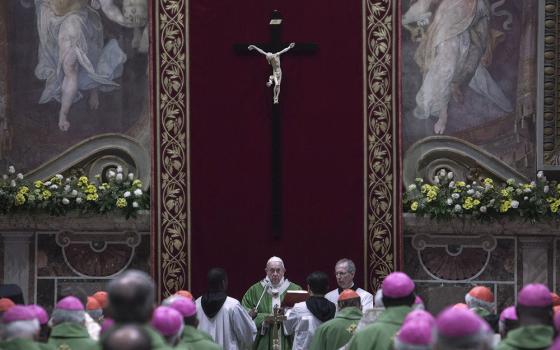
[[131, 297], [128, 337]]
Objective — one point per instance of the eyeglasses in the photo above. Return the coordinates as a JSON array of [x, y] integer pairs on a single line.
[[340, 273]]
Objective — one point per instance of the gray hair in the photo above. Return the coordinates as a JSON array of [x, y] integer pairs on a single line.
[[349, 264], [275, 259], [21, 329], [72, 316], [169, 300]]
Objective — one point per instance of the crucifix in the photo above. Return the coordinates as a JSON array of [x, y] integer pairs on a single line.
[[272, 51]]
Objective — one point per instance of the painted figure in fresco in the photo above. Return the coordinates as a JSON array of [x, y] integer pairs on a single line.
[[453, 51], [73, 58], [274, 60]]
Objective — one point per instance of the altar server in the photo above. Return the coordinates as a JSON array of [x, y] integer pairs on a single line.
[[344, 271]]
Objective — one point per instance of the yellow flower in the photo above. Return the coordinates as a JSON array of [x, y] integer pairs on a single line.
[[55, 180], [83, 181], [91, 189], [414, 206], [92, 197], [555, 205], [121, 203], [46, 194], [504, 207], [104, 186], [460, 183], [138, 183], [488, 181], [23, 190], [476, 202], [505, 193], [20, 199], [38, 184], [470, 203], [432, 194]]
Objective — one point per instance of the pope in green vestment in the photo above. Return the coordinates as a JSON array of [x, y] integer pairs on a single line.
[[334, 334], [379, 335], [269, 291], [193, 339], [71, 336], [528, 337]]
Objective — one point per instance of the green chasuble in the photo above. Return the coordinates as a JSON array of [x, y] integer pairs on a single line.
[[71, 336], [193, 339], [380, 334], [158, 343], [19, 344], [528, 337], [334, 334], [250, 300]]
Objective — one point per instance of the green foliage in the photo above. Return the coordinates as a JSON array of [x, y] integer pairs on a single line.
[[484, 199], [59, 195]]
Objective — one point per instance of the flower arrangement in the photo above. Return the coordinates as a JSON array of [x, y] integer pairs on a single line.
[[484, 199], [59, 195]]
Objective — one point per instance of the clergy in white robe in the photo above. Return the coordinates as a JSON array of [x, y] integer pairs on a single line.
[[345, 269], [305, 317], [223, 317]]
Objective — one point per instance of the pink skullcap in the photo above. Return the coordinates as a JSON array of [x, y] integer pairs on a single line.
[[421, 315], [535, 295], [509, 313], [418, 300], [167, 321], [18, 313], [70, 303], [460, 306], [397, 285], [107, 323], [415, 332], [186, 307], [40, 313], [456, 322]]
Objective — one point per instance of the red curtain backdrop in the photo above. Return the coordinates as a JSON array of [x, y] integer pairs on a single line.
[[230, 139]]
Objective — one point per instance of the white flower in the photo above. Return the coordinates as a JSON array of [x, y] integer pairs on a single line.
[[527, 190], [492, 201], [533, 184], [11, 169], [119, 169], [126, 194], [5, 177], [74, 193], [455, 195], [546, 189], [138, 192], [449, 201], [419, 179], [119, 177], [67, 188], [410, 187], [58, 176], [487, 188], [65, 201], [452, 184], [525, 198], [483, 209], [20, 176], [48, 183], [68, 180], [53, 187], [474, 183], [450, 175], [477, 195], [457, 208], [79, 200], [540, 174], [135, 204], [131, 176], [442, 173], [111, 174], [470, 192], [520, 191], [468, 186], [436, 180], [514, 204], [13, 183]]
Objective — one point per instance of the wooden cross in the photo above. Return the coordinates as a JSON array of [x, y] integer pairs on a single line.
[[275, 46]]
